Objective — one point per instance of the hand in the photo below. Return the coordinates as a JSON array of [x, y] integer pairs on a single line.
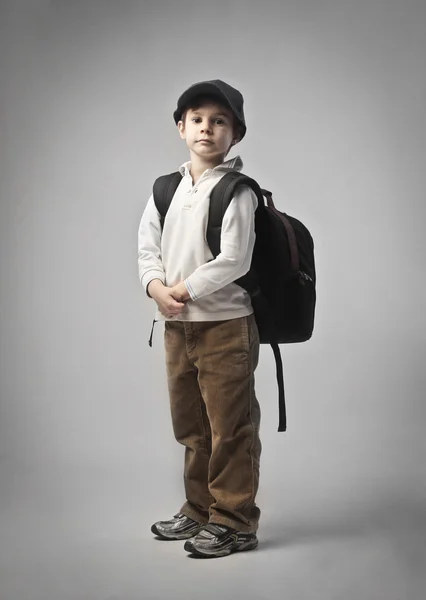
[[165, 300], [180, 292]]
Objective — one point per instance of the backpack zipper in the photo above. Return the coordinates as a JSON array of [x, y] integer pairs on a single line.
[[304, 277]]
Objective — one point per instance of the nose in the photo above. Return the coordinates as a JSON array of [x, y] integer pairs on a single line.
[[206, 127]]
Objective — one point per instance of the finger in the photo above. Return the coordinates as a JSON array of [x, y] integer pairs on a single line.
[[178, 304], [176, 300], [176, 309]]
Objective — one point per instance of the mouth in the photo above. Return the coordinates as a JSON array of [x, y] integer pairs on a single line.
[[207, 141]]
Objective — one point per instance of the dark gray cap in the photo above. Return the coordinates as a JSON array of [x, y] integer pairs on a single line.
[[216, 89]]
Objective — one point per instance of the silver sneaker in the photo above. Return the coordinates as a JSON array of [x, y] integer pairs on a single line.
[[216, 540], [180, 527]]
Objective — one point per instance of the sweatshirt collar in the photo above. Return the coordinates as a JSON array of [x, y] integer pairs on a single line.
[[233, 164]]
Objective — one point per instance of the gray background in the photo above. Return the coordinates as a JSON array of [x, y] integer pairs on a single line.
[[335, 97]]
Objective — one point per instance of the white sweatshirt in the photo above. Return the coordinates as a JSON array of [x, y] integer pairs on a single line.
[[181, 251]]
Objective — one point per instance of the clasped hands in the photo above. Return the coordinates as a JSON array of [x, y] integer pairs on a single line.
[[170, 300]]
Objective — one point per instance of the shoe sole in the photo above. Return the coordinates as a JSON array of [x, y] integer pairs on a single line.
[[189, 547]]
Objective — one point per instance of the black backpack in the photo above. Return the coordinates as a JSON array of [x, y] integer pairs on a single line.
[[281, 280]]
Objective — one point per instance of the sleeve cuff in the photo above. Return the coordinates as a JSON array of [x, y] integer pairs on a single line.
[[190, 289], [148, 277]]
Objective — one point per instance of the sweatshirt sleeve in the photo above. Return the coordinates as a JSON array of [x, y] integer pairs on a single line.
[[149, 246], [236, 247]]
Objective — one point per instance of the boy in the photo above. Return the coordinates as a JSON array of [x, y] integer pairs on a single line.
[[211, 337]]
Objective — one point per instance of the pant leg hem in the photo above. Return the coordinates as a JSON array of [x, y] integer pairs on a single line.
[[193, 514], [234, 524]]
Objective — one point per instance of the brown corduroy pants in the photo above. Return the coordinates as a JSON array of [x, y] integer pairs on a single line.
[[216, 416]]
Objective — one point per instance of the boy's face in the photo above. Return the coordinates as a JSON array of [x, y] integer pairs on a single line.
[[208, 131]]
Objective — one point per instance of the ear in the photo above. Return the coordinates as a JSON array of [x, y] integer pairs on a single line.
[[181, 127], [236, 138]]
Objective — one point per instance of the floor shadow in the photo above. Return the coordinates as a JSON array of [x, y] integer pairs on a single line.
[[395, 516]]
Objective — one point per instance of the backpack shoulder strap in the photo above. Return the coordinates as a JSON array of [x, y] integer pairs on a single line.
[[220, 198], [163, 190]]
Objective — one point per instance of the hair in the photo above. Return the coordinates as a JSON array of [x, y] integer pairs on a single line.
[[201, 99]]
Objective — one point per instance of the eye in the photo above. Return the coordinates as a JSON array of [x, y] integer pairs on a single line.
[[219, 121]]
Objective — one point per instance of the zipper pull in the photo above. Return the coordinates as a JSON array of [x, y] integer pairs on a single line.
[[304, 277]]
